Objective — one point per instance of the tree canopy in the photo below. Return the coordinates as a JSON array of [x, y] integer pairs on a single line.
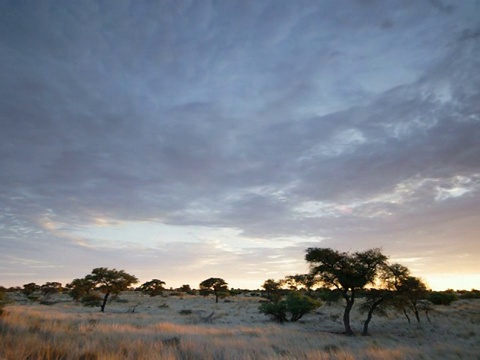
[[110, 281], [215, 285], [153, 287], [346, 272]]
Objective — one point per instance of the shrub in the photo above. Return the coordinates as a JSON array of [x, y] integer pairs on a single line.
[[299, 305], [276, 310], [92, 300], [292, 308], [472, 294], [442, 298], [329, 296]]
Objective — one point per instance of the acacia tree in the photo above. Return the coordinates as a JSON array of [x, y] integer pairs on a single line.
[[30, 288], [185, 288], [346, 272], [215, 285], [153, 287], [375, 301], [409, 291], [272, 289], [51, 288], [80, 288], [110, 281], [306, 281], [379, 299]]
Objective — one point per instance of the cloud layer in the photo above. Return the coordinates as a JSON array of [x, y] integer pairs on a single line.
[[192, 138]]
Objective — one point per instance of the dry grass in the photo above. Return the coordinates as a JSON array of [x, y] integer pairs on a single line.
[[157, 330]]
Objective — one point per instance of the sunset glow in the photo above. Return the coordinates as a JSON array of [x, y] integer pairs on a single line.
[[182, 140]]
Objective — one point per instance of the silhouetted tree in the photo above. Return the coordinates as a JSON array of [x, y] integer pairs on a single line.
[[185, 288], [375, 301], [51, 288], [110, 281], [153, 287], [272, 289], [80, 288], [217, 286], [379, 299], [299, 281], [410, 291], [346, 272], [30, 288]]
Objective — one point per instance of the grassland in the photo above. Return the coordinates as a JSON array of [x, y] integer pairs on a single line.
[[172, 327]]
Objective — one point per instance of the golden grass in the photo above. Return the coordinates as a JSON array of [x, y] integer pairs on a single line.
[[156, 330]]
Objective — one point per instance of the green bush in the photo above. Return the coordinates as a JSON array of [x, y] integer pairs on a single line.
[[292, 308], [442, 298], [328, 296], [276, 310], [92, 300]]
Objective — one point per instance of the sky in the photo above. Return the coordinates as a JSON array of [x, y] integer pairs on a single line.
[[182, 140]]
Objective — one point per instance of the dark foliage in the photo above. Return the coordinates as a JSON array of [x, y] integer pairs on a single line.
[[442, 298]]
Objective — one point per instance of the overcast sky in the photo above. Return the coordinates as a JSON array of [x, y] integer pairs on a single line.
[[183, 140]]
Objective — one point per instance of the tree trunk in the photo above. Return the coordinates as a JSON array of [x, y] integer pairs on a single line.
[[350, 299], [428, 317], [417, 315], [406, 315], [102, 308], [415, 311], [369, 316]]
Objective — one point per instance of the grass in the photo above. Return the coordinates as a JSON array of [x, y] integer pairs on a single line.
[[67, 330]]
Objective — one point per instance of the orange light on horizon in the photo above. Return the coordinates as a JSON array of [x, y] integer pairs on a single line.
[[444, 281]]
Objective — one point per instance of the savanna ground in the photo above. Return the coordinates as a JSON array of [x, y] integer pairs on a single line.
[[172, 327]]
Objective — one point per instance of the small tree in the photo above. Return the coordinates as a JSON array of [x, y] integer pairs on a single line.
[[51, 288], [110, 281], [272, 289], [185, 288], [410, 291], [301, 281], [79, 288], [375, 301], [217, 286], [346, 272], [379, 299], [30, 288], [295, 304], [153, 287]]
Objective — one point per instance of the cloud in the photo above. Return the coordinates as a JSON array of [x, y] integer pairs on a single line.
[[274, 120]]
